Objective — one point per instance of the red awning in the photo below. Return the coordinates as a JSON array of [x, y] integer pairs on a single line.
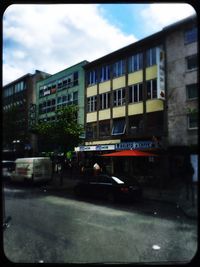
[[129, 153]]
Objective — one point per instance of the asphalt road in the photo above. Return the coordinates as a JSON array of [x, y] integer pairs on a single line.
[[50, 228]]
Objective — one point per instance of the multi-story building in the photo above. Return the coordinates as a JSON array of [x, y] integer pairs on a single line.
[[182, 90], [19, 96], [125, 93], [63, 88], [144, 95]]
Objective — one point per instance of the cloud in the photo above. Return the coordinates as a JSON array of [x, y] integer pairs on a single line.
[[53, 37], [157, 16]]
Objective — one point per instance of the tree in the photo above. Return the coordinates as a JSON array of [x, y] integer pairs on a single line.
[[62, 133]]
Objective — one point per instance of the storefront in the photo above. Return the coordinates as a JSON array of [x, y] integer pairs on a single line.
[[143, 167]]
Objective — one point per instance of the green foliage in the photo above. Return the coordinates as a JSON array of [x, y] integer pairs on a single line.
[[64, 131]]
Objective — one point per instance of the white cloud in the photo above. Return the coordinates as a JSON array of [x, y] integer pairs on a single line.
[[157, 16], [53, 37]]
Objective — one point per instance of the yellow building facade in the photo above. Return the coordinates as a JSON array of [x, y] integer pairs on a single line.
[[125, 96]]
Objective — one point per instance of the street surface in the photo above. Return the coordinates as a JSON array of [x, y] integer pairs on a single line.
[[49, 227]]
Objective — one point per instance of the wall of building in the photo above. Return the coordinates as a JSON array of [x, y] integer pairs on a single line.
[[177, 78]]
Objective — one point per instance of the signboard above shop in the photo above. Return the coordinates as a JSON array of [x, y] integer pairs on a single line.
[[121, 146]]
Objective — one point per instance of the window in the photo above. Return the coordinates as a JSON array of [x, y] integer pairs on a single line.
[[92, 77], [118, 127], [91, 130], [75, 74], [191, 62], [92, 104], [191, 91], [75, 98], [152, 89], [190, 35], [119, 97], [104, 128], [136, 124], [119, 68], [151, 57], [192, 121], [105, 73], [135, 62], [105, 100], [135, 93]]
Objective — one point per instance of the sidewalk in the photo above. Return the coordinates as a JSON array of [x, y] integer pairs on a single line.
[[176, 196]]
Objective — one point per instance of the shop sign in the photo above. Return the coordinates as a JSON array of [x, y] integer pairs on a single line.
[[105, 147], [96, 148], [135, 145]]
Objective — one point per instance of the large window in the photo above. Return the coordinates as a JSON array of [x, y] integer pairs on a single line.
[[105, 73], [105, 100], [119, 127], [152, 89], [92, 77], [91, 130], [191, 62], [151, 56], [136, 124], [119, 97], [91, 103], [192, 91], [135, 62], [135, 93], [191, 35], [118, 68], [104, 128]]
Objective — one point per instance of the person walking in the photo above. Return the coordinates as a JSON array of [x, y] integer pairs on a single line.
[[96, 169]]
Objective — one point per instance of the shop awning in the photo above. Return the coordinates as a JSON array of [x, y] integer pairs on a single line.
[[130, 153]]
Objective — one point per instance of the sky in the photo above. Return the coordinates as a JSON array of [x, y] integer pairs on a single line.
[[52, 38]]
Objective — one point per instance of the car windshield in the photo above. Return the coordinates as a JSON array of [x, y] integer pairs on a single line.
[[117, 180]]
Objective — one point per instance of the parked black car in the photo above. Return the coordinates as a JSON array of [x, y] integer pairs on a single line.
[[107, 187]]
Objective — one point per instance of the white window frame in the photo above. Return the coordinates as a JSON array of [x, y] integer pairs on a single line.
[[151, 56], [114, 126], [105, 73], [119, 68], [151, 89], [104, 100], [133, 92], [119, 100], [138, 63], [92, 103]]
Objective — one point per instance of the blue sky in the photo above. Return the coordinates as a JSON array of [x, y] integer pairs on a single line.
[[53, 37]]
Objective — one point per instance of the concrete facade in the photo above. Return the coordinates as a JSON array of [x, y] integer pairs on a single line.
[[179, 105], [20, 94], [60, 89]]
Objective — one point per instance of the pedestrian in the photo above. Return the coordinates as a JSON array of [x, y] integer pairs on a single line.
[[60, 172], [96, 169]]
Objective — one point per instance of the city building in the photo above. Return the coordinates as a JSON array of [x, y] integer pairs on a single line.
[[17, 98], [144, 96], [182, 85], [63, 88]]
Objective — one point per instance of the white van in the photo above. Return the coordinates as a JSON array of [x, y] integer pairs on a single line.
[[32, 169]]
